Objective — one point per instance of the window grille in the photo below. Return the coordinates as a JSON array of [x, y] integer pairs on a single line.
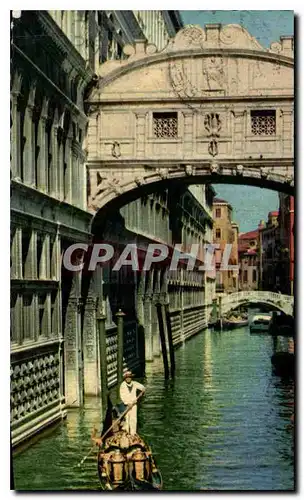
[[165, 125], [263, 122]]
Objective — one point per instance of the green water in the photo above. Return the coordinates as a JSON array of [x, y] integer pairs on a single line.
[[222, 424]]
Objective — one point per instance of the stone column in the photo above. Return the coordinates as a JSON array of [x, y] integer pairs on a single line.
[[42, 160], [15, 138], [90, 348], [53, 188], [188, 134], [30, 268], [29, 147], [287, 136], [56, 258], [60, 171], [75, 175], [239, 132], [18, 319], [72, 354], [16, 255], [140, 134], [68, 179]]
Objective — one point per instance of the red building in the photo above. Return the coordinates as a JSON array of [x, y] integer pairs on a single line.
[[286, 243]]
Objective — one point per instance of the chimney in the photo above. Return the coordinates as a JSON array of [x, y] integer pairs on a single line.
[[287, 45]]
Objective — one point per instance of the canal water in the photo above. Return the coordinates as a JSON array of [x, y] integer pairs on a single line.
[[223, 423]]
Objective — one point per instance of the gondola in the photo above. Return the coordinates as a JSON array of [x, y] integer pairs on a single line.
[[125, 463]]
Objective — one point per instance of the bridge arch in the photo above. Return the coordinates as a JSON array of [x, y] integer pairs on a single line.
[[213, 106], [280, 302]]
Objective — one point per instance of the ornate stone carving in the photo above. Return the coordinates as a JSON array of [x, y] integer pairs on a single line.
[[189, 169], [214, 168], [163, 172], [214, 72], [213, 148], [288, 179], [116, 149], [264, 172], [239, 170], [190, 37], [213, 124], [276, 47], [139, 181]]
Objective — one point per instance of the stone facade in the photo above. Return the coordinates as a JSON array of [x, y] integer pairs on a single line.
[[225, 232], [286, 244], [269, 241], [212, 106], [248, 249], [54, 58]]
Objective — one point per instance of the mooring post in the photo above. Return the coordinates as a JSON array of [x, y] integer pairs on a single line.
[[120, 346], [162, 338], [101, 328], [170, 339], [220, 311]]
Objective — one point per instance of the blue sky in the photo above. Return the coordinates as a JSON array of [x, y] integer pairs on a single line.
[[250, 204]]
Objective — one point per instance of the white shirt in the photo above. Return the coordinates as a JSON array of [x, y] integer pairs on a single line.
[[128, 391]]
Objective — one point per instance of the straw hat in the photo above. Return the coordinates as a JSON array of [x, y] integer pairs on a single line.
[[128, 374]]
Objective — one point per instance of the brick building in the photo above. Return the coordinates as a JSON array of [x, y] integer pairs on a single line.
[[225, 231]]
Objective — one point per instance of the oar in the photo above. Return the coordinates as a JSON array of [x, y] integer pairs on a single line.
[[116, 422]]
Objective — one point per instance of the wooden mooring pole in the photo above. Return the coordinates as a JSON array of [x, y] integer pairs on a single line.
[[120, 347], [170, 340], [162, 339]]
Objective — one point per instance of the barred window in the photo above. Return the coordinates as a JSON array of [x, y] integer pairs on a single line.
[[165, 125], [263, 122]]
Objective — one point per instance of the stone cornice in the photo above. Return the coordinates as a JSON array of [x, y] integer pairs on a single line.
[[172, 21], [64, 45], [41, 204], [130, 25], [74, 109], [147, 60]]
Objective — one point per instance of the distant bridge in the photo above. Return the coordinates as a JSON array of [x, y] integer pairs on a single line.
[[279, 301]]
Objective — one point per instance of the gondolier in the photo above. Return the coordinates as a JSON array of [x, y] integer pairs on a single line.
[[128, 394]]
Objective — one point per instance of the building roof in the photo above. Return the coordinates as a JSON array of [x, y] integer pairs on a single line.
[[220, 200], [250, 235]]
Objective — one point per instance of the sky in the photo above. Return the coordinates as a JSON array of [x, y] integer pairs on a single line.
[[250, 204]]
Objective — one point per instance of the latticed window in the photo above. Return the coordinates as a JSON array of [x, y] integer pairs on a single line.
[[165, 125], [263, 122]]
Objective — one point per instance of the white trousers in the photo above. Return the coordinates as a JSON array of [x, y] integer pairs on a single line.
[[130, 423]]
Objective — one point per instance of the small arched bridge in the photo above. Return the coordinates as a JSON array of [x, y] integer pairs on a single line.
[[279, 301]]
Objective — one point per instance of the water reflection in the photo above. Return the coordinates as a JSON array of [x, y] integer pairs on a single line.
[[223, 423]]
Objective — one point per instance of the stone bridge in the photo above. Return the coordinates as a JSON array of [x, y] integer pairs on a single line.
[[280, 302], [213, 106]]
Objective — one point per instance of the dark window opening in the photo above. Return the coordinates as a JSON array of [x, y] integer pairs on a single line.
[[263, 122], [165, 125]]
